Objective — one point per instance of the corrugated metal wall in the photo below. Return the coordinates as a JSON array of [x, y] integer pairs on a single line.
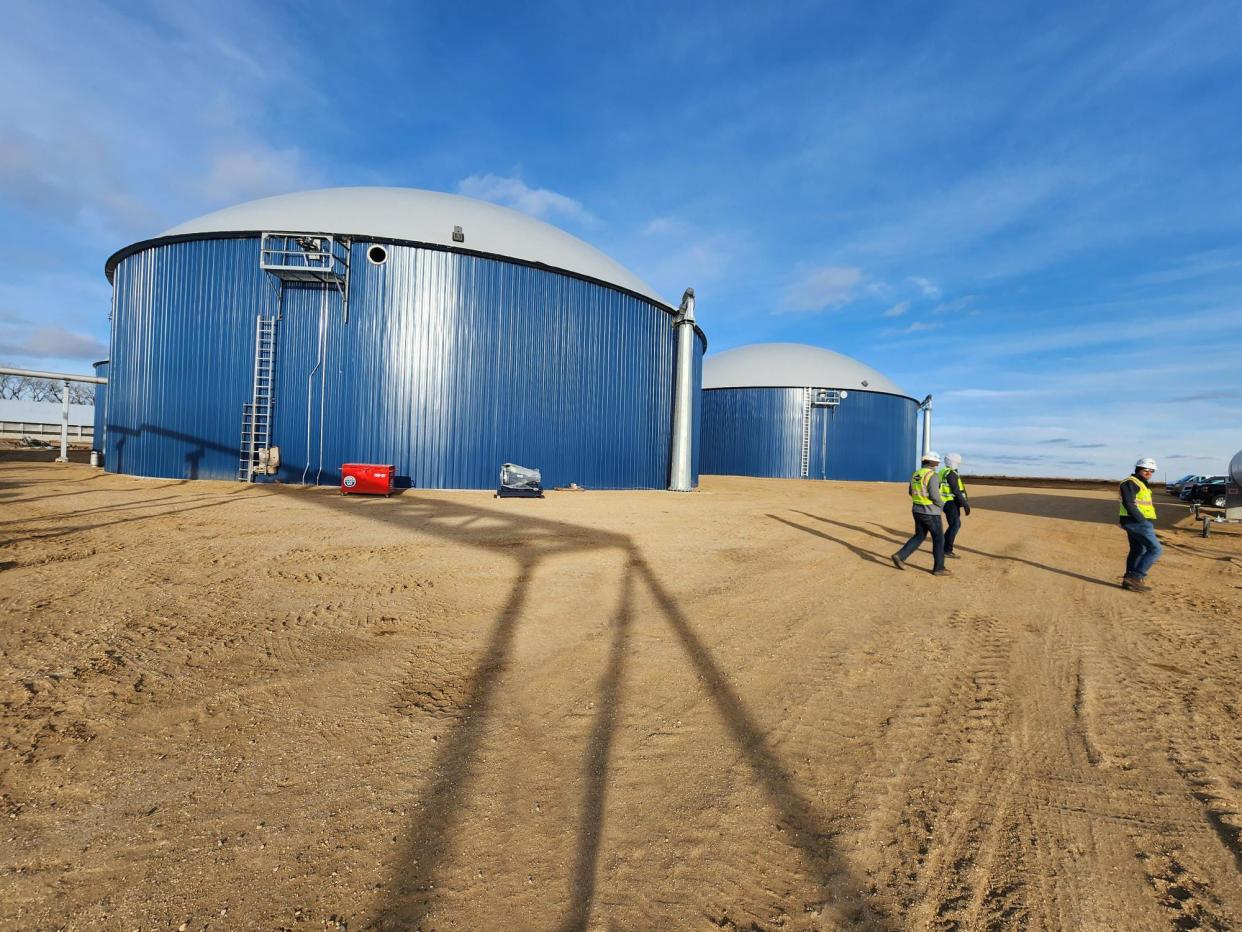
[[448, 366], [101, 404], [182, 358], [872, 438], [758, 432], [752, 432]]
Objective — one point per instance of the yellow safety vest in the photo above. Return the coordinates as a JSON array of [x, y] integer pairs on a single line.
[[918, 485], [945, 491], [1142, 499]]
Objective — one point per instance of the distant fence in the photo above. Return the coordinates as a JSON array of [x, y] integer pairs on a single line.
[[42, 419], [13, 429]]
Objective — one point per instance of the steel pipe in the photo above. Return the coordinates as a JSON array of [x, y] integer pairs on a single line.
[[681, 474], [926, 408], [54, 376], [64, 422]]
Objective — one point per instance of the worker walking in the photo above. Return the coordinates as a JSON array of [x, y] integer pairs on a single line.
[[928, 506], [1138, 517], [953, 491]]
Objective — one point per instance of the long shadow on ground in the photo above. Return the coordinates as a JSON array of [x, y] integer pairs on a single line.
[[209, 501], [1098, 510], [527, 541], [1046, 505], [856, 550], [893, 536]]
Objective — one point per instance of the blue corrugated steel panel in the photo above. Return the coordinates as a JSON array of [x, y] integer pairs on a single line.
[[758, 432], [872, 437], [448, 366], [182, 358], [752, 432], [101, 406]]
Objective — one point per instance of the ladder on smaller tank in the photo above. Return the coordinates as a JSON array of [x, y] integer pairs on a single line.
[[256, 432], [805, 469]]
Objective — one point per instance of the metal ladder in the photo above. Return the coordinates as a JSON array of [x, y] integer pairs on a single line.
[[256, 432], [805, 469]]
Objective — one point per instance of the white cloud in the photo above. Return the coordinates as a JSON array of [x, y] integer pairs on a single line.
[[929, 288], [917, 327], [673, 253], [1091, 421], [256, 171], [700, 261], [820, 288], [1194, 266], [897, 309], [152, 116], [667, 226], [1208, 395], [515, 193], [50, 343], [69, 177], [987, 394], [957, 304]]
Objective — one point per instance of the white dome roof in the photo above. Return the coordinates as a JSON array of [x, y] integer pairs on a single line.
[[792, 365], [421, 217]]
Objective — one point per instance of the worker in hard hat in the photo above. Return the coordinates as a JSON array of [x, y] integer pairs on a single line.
[[1138, 520], [928, 505], [953, 491]]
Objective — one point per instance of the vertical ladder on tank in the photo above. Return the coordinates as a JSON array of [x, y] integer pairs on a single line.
[[256, 431], [805, 469]]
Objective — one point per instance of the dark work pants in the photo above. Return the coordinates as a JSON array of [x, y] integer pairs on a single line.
[[1145, 549], [924, 525], [952, 514]]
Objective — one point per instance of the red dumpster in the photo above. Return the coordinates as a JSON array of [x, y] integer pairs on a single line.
[[366, 479]]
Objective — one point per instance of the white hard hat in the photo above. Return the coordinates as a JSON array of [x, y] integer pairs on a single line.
[[1146, 463], [953, 460], [931, 456]]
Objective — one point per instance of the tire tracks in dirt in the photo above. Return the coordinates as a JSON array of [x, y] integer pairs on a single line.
[[1187, 846]]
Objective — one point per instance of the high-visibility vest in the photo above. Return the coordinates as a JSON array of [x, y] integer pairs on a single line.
[[1142, 498], [945, 491], [919, 483]]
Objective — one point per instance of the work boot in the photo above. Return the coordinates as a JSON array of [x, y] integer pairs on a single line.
[[953, 556], [942, 572], [897, 561], [1134, 584]]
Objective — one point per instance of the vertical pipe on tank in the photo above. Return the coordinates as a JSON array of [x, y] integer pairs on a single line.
[[323, 377], [926, 408], [681, 477], [310, 385]]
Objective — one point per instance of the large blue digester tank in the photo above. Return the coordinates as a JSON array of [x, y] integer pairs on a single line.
[[789, 410], [435, 332]]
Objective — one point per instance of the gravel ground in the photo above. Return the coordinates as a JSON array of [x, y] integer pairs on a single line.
[[264, 707]]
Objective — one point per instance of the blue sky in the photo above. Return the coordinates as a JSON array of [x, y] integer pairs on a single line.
[[1031, 211]]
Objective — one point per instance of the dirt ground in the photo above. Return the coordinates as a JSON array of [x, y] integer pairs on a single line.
[[262, 707]]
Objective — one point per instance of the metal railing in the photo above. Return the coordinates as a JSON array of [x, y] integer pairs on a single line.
[[826, 397], [304, 257]]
